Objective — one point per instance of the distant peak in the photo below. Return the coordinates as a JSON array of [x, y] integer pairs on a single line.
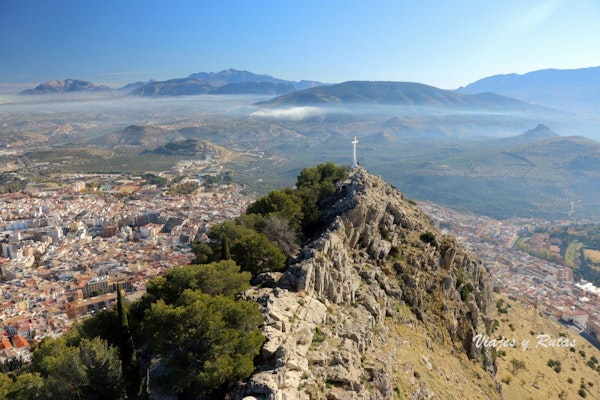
[[65, 86], [540, 130]]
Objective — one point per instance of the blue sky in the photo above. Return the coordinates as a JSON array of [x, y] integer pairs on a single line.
[[445, 43]]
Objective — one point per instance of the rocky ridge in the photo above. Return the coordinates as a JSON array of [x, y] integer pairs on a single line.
[[337, 320]]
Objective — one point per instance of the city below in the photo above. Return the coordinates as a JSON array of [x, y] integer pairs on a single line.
[[65, 248]]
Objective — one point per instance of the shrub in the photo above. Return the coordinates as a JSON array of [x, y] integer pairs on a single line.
[[429, 238]]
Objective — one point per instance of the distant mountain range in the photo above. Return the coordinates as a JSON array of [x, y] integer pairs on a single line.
[[173, 87], [229, 81], [229, 76], [65, 86], [396, 93], [568, 89], [576, 90], [193, 86]]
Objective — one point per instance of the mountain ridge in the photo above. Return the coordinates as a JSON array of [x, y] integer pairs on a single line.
[[65, 86], [394, 93], [574, 90], [238, 82], [331, 318], [229, 81]]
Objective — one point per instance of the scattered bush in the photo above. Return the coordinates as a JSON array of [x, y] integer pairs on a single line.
[[516, 365], [555, 365]]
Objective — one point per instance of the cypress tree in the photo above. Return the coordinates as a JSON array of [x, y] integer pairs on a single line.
[[129, 364], [225, 253]]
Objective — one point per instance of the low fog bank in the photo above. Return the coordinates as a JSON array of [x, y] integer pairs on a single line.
[[113, 111]]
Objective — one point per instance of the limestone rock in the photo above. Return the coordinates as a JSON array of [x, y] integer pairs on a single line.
[[328, 311]]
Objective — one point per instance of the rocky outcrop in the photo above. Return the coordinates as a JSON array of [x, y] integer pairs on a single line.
[[332, 318]]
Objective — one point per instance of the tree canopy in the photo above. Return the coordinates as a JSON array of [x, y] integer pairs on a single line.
[[206, 338]]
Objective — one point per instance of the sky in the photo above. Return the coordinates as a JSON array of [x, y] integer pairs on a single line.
[[444, 43]]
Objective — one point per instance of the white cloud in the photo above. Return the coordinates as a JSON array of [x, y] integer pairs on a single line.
[[294, 113]]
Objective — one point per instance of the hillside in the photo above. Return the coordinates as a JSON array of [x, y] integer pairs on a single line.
[[397, 93], [537, 380], [547, 177], [199, 149], [569, 89], [266, 88], [136, 135], [231, 75], [381, 305], [173, 87], [373, 302], [65, 86]]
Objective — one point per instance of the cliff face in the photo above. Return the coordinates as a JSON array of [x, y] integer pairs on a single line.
[[379, 297]]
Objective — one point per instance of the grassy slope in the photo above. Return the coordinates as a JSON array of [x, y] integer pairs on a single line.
[[525, 321], [451, 375]]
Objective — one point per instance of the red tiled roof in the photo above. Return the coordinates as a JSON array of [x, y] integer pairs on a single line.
[[19, 341], [5, 343]]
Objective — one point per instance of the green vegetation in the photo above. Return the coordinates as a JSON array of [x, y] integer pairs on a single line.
[[578, 246], [152, 179], [129, 362], [502, 306], [205, 343], [543, 253], [191, 328], [221, 179], [516, 365], [249, 248], [184, 189], [429, 237], [10, 184], [68, 368], [572, 252], [318, 337], [191, 322], [274, 226], [465, 286]]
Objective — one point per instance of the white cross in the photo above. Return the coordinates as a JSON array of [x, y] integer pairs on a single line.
[[354, 162]]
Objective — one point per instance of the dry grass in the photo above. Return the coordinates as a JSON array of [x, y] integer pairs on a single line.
[[538, 380], [450, 374], [593, 255]]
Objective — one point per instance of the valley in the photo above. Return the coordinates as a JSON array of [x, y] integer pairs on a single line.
[[193, 161]]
